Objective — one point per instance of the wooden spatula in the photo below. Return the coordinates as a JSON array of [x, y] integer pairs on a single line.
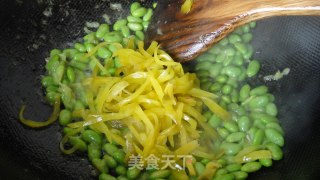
[[186, 36]]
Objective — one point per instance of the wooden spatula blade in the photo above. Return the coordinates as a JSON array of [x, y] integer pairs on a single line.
[[186, 36]]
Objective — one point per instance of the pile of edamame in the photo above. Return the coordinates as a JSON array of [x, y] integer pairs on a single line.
[[223, 70]]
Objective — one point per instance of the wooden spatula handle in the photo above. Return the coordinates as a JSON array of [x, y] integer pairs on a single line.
[[187, 36]]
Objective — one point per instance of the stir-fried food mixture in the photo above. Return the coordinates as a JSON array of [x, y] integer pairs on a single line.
[[138, 114]]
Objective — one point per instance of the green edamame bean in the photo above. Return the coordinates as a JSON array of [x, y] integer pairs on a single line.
[[53, 88], [47, 81], [226, 99], [231, 148], [134, 6], [227, 89], [133, 173], [104, 176], [253, 24], [222, 78], [58, 74], [258, 137], [80, 47], [259, 124], [247, 37], [140, 35], [221, 171], [121, 170], [199, 168], [139, 12], [259, 102], [260, 90], [78, 105], [251, 167], [112, 37], [100, 164], [134, 19], [246, 28], [70, 53], [244, 92], [119, 156], [53, 63], [274, 136], [120, 23], [214, 121], [241, 47], [148, 15], [235, 137], [234, 38], [91, 136], [231, 126], [88, 46], [135, 26], [238, 60], [233, 167], [229, 51], [70, 74], [266, 162], [110, 148], [267, 118], [51, 97], [202, 73], [78, 65], [117, 62], [220, 58], [275, 150], [145, 25], [253, 68], [207, 114], [205, 161], [55, 52], [249, 53], [160, 174], [125, 31], [94, 151], [205, 65], [102, 30], [215, 70], [240, 175], [244, 123], [215, 87], [77, 142], [111, 163], [222, 162], [225, 177], [251, 133], [91, 37], [232, 71], [104, 53], [80, 57], [223, 132], [122, 178], [65, 117], [234, 96], [276, 126], [271, 109], [224, 42]]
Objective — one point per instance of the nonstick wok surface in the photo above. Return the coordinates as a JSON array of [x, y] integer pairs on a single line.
[[27, 35]]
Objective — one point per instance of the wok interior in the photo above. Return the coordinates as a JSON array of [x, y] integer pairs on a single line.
[[27, 35]]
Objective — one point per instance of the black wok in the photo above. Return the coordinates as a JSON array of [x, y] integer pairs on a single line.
[[27, 34]]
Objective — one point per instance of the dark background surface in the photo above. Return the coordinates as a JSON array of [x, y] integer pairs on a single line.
[[27, 35]]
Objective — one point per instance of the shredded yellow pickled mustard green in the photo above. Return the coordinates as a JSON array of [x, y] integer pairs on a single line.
[[38, 124], [155, 100], [186, 6]]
